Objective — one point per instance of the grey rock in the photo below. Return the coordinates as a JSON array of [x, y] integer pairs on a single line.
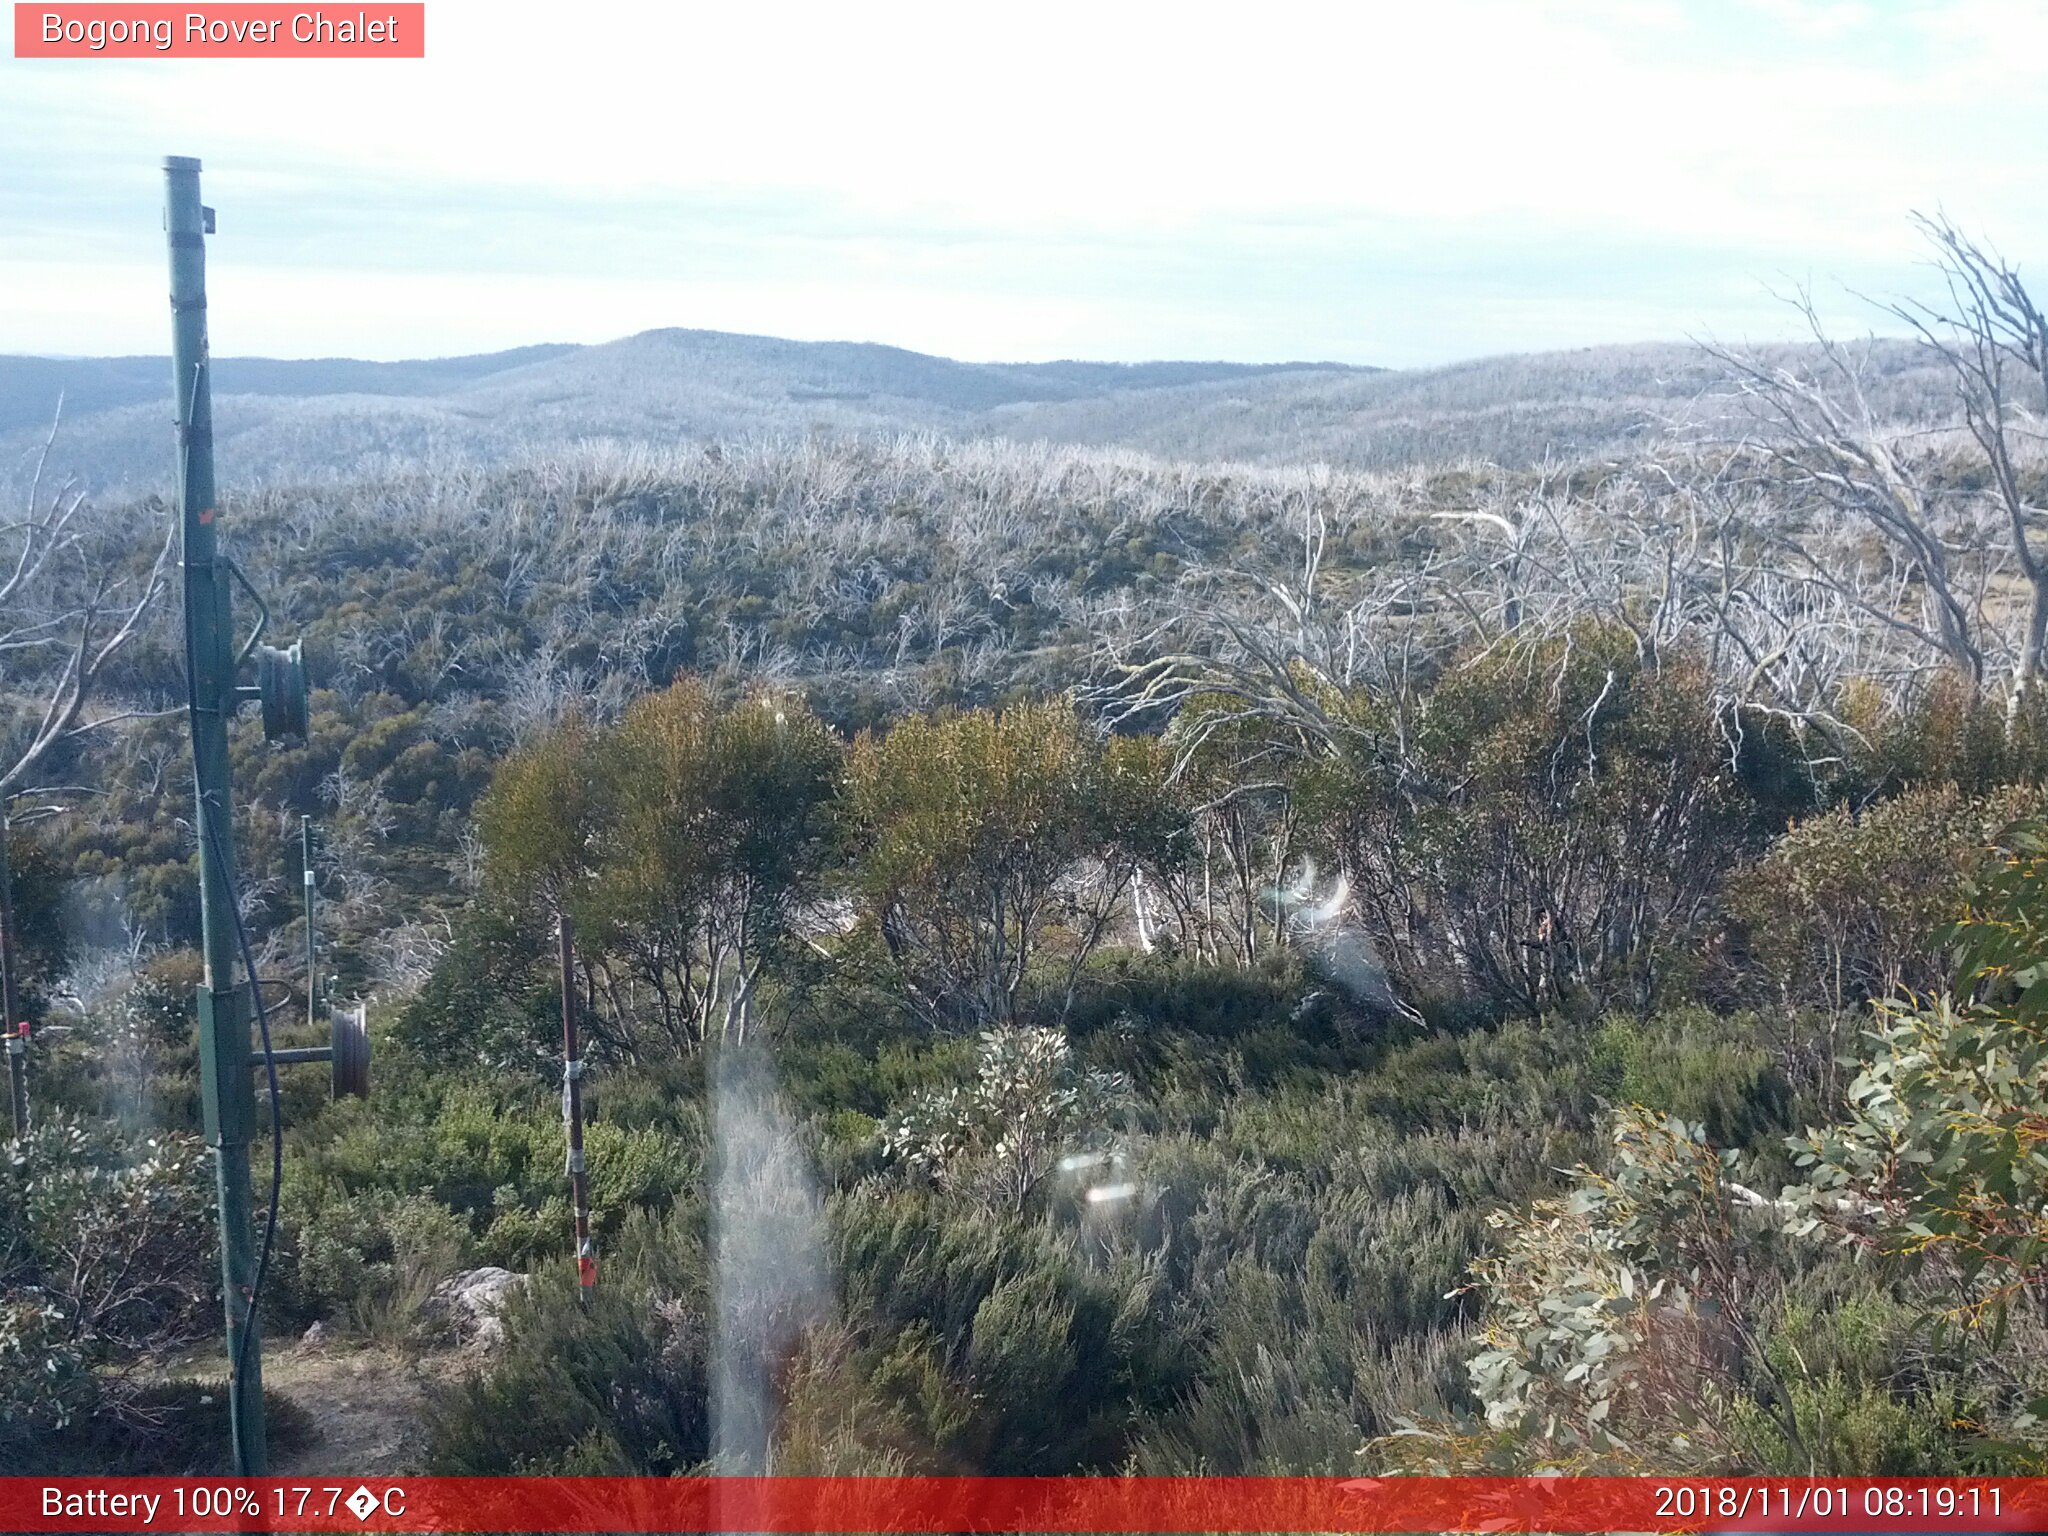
[[470, 1304]]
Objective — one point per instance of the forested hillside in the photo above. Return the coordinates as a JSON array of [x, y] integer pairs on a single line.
[[284, 423], [337, 417], [1096, 960]]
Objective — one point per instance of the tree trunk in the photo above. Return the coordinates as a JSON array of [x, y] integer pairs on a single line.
[[2029, 665]]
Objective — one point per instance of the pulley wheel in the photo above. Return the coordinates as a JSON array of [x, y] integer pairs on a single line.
[[351, 1053], [281, 683]]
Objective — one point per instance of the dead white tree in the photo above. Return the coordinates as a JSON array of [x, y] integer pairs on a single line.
[[1820, 435], [1261, 673], [1994, 339], [67, 607], [1678, 554]]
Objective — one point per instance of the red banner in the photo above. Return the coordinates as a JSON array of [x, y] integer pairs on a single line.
[[801, 1506], [233, 31]]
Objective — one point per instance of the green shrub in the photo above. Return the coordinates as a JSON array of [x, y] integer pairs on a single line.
[[824, 1074], [46, 1376], [1537, 1072], [113, 1230], [619, 1384], [1188, 1032], [1870, 1392], [39, 877], [429, 1243], [1057, 1354], [106, 1256], [969, 828], [163, 1429], [1549, 826], [490, 1002], [1265, 1420], [1021, 1358], [907, 1375], [1857, 1429], [1850, 906], [998, 1138], [1937, 1161], [1704, 1069], [1948, 734], [132, 1058]]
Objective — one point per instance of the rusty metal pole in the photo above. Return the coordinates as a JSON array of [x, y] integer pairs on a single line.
[[312, 957], [572, 1113]]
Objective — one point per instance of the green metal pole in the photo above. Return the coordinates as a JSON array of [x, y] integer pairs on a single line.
[[227, 1090]]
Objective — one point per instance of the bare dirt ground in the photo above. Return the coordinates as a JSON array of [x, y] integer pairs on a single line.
[[364, 1405], [367, 1408]]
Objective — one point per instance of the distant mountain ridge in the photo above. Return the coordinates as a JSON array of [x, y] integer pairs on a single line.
[[29, 386], [317, 418], [280, 420]]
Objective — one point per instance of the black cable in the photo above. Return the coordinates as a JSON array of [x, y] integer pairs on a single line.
[[249, 1324]]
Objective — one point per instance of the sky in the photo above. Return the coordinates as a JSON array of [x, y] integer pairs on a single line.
[[1376, 181]]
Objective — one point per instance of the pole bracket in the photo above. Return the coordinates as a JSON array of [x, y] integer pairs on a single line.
[[227, 1095]]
